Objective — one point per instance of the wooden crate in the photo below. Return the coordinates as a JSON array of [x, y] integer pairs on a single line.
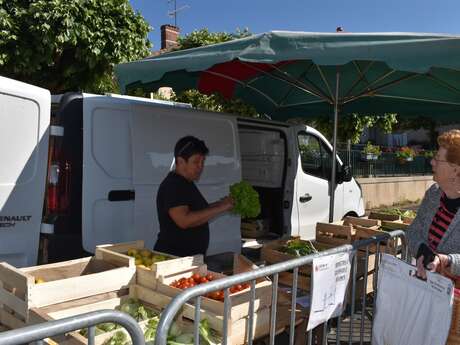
[[85, 305], [407, 220], [238, 301], [148, 276], [63, 281], [394, 225], [272, 254], [336, 234], [384, 216], [237, 325], [363, 222], [253, 229], [237, 328]]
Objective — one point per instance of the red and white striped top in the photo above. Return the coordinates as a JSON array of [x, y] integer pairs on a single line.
[[441, 220]]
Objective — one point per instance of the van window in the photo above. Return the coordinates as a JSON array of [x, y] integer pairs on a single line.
[[315, 157]]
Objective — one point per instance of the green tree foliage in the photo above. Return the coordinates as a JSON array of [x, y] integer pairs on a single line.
[[216, 102], [203, 37], [351, 126], [67, 45]]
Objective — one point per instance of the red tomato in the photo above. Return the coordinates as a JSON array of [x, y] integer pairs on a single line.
[[239, 287], [220, 295], [214, 295], [203, 280], [196, 277], [210, 276]]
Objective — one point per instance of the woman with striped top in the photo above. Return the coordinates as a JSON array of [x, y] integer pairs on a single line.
[[434, 235]]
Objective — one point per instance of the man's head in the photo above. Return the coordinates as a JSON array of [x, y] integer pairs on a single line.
[[190, 154]]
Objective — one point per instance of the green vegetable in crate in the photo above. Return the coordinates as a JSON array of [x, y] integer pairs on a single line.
[[409, 214], [398, 212], [151, 329], [298, 247], [207, 334], [134, 308], [246, 199], [101, 328], [119, 338]]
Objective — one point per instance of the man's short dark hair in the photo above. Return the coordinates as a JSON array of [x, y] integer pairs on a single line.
[[189, 146]]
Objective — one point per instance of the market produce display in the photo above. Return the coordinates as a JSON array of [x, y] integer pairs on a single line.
[[146, 258], [246, 198], [399, 212], [132, 307], [298, 247], [176, 336], [196, 279]]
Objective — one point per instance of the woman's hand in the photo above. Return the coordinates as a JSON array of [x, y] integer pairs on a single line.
[[421, 272], [440, 262], [227, 203]]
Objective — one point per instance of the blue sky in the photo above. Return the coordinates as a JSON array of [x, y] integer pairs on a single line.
[[304, 15]]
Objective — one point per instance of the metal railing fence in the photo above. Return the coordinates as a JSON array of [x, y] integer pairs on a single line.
[[36, 333], [364, 247], [387, 164]]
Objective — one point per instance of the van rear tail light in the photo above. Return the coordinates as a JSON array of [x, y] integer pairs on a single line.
[[59, 187], [59, 178]]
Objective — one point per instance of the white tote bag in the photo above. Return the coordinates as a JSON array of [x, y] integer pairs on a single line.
[[410, 311]]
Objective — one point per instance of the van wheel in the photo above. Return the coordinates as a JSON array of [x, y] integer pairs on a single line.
[[350, 214]]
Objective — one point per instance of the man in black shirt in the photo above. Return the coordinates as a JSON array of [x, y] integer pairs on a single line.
[[183, 212]]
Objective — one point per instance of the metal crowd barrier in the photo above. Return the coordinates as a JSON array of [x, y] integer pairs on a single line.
[[198, 291], [38, 332]]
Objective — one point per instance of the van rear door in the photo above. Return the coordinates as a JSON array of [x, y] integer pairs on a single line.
[[155, 131], [24, 131], [128, 150]]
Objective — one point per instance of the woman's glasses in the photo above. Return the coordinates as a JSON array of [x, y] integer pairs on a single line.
[[437, 160]]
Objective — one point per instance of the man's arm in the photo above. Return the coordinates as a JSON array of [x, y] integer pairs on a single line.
[[185, 218]]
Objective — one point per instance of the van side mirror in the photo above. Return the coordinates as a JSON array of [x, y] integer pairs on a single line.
[[344, 174]]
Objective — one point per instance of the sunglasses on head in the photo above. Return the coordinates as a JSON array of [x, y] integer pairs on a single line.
[[190, 144]]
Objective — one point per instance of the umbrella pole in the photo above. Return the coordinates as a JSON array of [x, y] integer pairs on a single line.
[[332, 183]]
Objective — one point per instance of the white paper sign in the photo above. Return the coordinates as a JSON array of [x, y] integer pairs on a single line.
[[330, 276]]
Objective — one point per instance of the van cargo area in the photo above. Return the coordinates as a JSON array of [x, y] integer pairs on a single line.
[[263, 164]]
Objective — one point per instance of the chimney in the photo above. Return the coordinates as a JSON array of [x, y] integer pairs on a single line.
[[169, 35]]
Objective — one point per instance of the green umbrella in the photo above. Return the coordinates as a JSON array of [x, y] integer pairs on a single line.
[[298, 74]]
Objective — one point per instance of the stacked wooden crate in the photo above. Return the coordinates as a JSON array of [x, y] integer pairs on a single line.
[[148, 276], [153, 287], [272, 253], [23, 289], [213, 310], [391, 222], [94, 303]]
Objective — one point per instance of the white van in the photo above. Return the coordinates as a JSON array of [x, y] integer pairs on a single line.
[[86, 171]]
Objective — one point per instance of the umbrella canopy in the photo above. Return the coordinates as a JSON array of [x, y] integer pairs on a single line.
[[299, 74], [294, 74]]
